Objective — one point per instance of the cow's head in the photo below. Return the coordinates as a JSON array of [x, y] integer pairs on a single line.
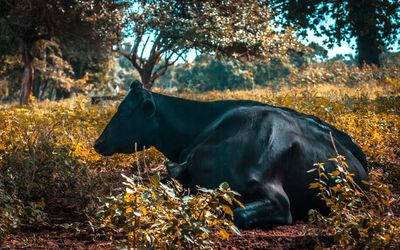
[[134, 122]]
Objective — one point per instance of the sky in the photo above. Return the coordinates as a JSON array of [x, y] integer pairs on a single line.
[[335, 50]]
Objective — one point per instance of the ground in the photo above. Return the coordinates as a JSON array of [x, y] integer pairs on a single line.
[[68, 228]]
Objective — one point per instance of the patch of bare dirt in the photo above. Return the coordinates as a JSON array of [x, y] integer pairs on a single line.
[[279, 237]]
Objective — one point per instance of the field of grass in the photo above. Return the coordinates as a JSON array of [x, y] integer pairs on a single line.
[[46, 151]]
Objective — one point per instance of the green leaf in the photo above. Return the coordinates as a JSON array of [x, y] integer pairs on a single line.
[[206, 190], [155, 179], [311, 170], [224, 234], [146, 195], [206, 230], [224, 185], [227, 210], [227, 198], [235, 229], [187, 198], [170, 193]]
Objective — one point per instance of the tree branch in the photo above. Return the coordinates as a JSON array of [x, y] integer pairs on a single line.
[[144, 47], [129, 57]]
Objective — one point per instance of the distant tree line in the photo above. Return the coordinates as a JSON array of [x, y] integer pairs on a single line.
[[207, 72]]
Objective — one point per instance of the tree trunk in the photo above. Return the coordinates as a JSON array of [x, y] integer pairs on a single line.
[[363, 15], [368, 51], [27, 81], [145, 76], [36, 89]]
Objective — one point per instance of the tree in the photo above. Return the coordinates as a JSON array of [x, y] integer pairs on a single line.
[[374, 23], [25, 22], [164, 30], [207, 73]]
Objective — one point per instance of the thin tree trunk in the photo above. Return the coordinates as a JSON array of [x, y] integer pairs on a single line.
[[43, 90], [27, 81], [36, 89]]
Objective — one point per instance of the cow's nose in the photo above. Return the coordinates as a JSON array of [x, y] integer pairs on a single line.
[[96, 144]]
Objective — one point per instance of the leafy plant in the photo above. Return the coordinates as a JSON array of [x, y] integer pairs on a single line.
[[45, 155], [358, 217], [167, 216]]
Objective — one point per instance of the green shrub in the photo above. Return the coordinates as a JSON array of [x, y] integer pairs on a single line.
[[358, 218], [166, 216], [36, 166], [44, 153]]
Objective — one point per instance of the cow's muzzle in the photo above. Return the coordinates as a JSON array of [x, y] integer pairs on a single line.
[[99, 147]]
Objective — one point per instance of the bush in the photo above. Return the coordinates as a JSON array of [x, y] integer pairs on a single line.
[[46, 154], [358, 218], [166, 216], [36, 165]]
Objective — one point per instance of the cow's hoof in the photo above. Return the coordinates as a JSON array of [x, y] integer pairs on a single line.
[[240, 218]]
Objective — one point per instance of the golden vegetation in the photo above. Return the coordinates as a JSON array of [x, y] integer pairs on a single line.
[[167, 216], [46, 147], [46, 152], [359, 218]]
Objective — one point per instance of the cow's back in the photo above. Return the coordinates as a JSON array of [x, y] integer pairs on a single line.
[[249, 146]]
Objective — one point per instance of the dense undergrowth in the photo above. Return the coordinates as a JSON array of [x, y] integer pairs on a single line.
[[167, 216], [46, 153], [359, 218], [46, 147]]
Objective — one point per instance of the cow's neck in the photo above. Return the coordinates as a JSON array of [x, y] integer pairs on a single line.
[[181, 121]]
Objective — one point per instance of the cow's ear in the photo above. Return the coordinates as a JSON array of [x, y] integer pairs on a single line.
[[136, 85], [149, 108]]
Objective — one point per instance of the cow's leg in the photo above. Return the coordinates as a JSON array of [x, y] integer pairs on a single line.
[[274, 209]]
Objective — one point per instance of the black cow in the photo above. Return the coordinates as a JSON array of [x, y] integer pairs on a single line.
[[263, 152]]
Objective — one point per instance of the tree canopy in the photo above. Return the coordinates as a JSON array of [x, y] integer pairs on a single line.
[[70, 23], [374, 23], [163, 31]]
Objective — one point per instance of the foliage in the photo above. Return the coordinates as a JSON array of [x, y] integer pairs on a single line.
[[163, 31], [30, 134], [208, 73], [374, 23], [55, 76], [35, 167], [358, 217], [337, 72], [211, 73], [25, 22], [120, 74], [45, 154], [10, 76], [166, 216]]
